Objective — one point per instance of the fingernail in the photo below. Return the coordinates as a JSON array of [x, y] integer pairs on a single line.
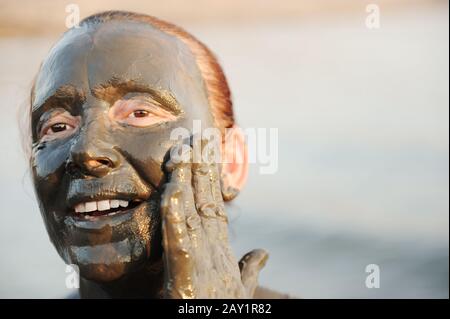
[[229, 193]]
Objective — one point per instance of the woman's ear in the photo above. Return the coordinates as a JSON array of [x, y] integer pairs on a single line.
[[234, 163]]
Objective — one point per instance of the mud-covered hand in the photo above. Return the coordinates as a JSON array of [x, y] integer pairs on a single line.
[[198, 261]]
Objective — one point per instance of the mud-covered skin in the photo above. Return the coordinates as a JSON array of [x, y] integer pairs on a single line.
[[113, 58], [198, 260], [85, 72]]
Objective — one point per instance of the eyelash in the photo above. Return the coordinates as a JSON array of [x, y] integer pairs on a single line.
[[142, 113], [49, 131], [134, 115], [139, 112], [52, 127]]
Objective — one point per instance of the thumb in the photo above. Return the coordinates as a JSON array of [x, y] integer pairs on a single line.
[[250, 266]]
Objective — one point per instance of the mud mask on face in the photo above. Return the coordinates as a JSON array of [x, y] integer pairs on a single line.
[[105, 102]]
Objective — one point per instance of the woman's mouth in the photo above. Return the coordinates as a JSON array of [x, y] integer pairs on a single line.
[[106, 207]]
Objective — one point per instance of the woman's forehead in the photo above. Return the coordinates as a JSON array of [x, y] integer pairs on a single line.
[[93, 55]]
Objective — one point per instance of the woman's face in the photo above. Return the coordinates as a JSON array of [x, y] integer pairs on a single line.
[[104, 104]]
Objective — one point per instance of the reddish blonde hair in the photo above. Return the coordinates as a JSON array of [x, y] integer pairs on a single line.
[[219, 95]]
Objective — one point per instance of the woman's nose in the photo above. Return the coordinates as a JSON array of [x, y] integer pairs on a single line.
[[87, 163], [92, 153], [90, 156]]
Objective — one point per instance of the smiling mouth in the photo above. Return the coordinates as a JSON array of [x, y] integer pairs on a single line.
[[107, 207]]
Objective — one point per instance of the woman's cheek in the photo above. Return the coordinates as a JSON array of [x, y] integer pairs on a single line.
[[49, 160]]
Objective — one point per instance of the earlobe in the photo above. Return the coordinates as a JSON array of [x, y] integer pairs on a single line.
[[234, 163]]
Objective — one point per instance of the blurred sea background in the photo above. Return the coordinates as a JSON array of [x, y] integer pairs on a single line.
[[363, 145]]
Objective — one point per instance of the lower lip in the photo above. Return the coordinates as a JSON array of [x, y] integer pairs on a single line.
[[97, 230]]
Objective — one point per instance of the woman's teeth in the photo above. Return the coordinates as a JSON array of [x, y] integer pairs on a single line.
[[101, 205]]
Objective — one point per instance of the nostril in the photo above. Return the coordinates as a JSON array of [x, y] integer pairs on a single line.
[[99, 163], [105, 162], [89, 167], [72, 169]]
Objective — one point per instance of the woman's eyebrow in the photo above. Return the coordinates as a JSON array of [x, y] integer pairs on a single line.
[[65, 97], [116, 89]]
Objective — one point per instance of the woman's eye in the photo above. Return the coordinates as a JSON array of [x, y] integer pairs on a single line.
[[140, 113], [59, 127]]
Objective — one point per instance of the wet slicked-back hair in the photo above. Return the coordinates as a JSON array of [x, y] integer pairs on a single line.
[[219, 95]]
